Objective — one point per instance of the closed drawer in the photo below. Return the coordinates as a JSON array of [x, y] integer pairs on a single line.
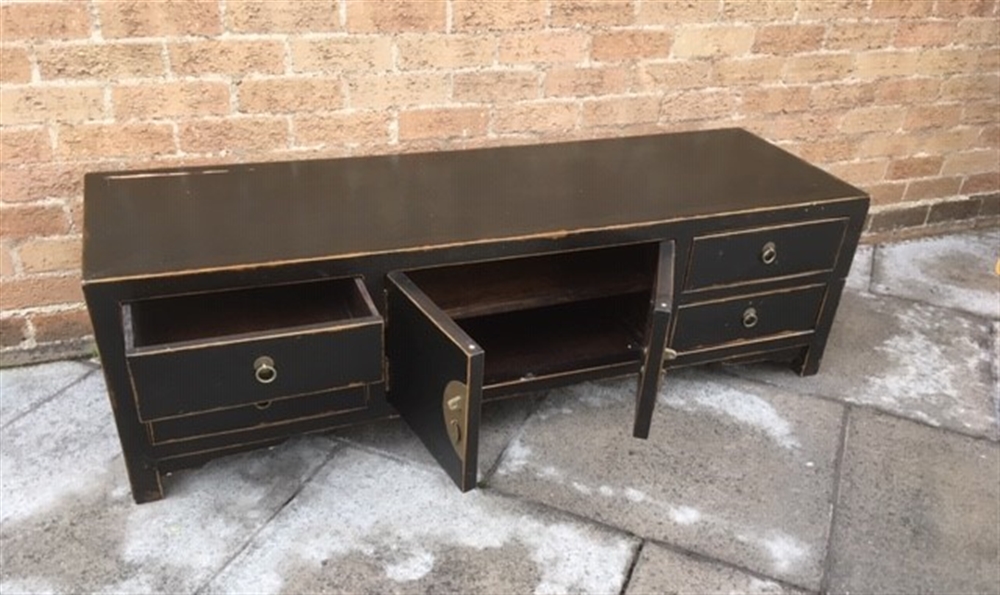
[[763, 254], [201, 352], [259, 415], [747, 318]]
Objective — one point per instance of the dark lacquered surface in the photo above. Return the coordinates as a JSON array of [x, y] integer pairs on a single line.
[[239, 215]]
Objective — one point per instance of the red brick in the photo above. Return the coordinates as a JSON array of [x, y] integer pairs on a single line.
[[769, 100], [34, 292], [817, 67], [915, 167], [858, 36], [925, 34], [971, 162], [985, 112], [889, 145], [164, 100], [25, 145], [163, 18], [32, 220], [989, 138], [979, 32], [907, 91], [36, 21], [50, 254], [268, 16], [932, 116], [497, 15], [673, 12], [716, 40], [699, 105], [363, 54], [620, 111], [240, 135], [7, 268], [495, 86], [227, 56], [859, 173], [759, 10], [872, 119], [788, 39], [825, 150], [290, 95], [422, 52], [965, 8], [966, 88], [872, 65], [826, 10], [538, 117], [15, 65], [630, 44], [348, 128], [946, 62], [101, 61], [981, 183], [543, 47], [13, 331], [30, 105], [902, 8], [932, 188], [886, 192], [88, 141], [365, 16], [377, 92], [443, 123], [681, 74], [40, 181], [802, 126], [592, 13], [581, 82], [839, 95], [752, 70], [66, 325]]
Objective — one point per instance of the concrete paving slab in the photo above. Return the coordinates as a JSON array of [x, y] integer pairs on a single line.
[[373, 524], [919, 361], [954, 271], [860, 276], [22, 389], [500, 422], [918, 510], [69, 522], [733, 470], [660, 570]]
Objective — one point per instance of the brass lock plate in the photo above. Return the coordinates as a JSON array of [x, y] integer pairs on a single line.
[[455, 406]]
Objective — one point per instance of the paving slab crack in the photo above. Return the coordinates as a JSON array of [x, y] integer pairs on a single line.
[[253, 535], [845, 420], [55, 394], [636, 554]]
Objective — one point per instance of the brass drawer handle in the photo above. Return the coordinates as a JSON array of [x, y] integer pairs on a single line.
[[263, 370], [750, 317], [769, 253]]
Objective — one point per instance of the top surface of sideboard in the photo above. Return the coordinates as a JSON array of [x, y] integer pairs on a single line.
[[183, 220]]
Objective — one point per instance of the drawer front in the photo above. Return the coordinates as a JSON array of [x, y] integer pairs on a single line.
[[258, 415], [764, 253], [747, 318], [198, 378]]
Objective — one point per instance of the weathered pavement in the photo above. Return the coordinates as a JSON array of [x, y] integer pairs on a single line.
[[880, 474]]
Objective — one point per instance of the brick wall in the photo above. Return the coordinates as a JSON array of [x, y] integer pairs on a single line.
[[899, 97]]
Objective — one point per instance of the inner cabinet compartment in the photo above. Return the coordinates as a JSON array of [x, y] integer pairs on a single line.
[[199, 352], [543, 316]]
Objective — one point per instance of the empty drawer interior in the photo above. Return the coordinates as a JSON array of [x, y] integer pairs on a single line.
[[200, 316]]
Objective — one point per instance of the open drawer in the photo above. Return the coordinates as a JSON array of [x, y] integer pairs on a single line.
[[460, 335], [196, 353]]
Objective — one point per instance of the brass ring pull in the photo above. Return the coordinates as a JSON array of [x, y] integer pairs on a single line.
[[750, 317], [262, 405], [769, 253], [263, 370]]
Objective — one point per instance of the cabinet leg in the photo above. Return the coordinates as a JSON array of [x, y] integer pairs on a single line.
[[807, 364], [145, 482]]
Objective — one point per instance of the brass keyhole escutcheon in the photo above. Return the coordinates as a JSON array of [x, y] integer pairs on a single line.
[[455, 405], [264, 370], [750, 317], [769, 253]]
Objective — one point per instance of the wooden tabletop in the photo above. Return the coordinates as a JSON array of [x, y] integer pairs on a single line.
[[169, 221]]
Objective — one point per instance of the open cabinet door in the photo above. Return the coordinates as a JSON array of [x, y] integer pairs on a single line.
[[656, 349], [435, 378]]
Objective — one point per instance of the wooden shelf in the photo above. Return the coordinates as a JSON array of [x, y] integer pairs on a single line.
[[495, 287]]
